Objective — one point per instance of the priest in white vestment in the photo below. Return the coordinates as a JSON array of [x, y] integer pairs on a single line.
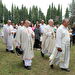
[[61, 54], [48, 39], [24, 38], [8, 36]]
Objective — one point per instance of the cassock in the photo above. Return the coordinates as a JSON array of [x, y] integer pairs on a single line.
[[19, 27], [42, 27], [24, 38], [48, 40], [8, 36], [63, 42], [1, 32]]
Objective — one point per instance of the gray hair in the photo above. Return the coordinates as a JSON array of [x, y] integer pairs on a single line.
[[50, 20]]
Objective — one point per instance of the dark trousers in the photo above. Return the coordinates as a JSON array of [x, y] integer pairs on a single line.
[[73, 39], [37, 43]]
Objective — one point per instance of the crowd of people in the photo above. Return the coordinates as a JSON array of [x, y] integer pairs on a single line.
[[51, 40]]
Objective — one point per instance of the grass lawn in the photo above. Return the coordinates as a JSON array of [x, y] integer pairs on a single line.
[[11, 64]]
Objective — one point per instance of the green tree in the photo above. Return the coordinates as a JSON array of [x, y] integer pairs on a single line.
[[5, 12], [59, 14], [30, 14], [67, 13], [72, 12], [9, 15], [1, 12], [23, 12], [48, 16], [52, 11], [41, 15], [16, 15], [12, 12], [34, 14]]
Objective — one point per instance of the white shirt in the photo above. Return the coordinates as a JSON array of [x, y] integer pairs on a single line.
[[42, 27]]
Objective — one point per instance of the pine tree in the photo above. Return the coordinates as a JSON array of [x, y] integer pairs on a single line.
[[67, 13], [52, 12], [41, 15], [16, 15], [23, 12], [30, 15], [59, 14], [5, 14], [34, 14], [72, 9], [1, 12], [48, 16], [12, 12], [9, 15]]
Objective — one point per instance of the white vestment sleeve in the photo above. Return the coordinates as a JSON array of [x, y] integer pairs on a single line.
[[58, 38], [17, 38], [48, 33], [4, 37]]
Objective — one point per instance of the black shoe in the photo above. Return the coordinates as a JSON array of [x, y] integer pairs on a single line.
[[51, 66], [7, 50], [67, 70], [28, 67], [42, 54], [12, 51]]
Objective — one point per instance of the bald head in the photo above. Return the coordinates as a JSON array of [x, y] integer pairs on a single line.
[[27, 23], [65, 22], [9, 22]]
